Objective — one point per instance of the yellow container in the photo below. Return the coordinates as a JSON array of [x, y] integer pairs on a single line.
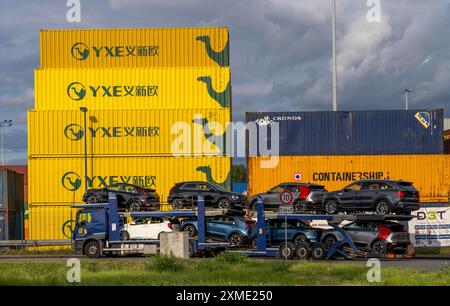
[[61, 180], [47, 222], [118, 89], [126, 132], [115, 48], [429, 173]]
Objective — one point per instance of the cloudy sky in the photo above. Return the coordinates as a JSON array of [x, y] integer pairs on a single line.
[[280, 51]]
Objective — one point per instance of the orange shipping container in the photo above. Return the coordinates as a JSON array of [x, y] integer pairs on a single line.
[[429, 173]]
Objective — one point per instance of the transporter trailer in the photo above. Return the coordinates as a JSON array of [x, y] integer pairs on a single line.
[[98, 227]]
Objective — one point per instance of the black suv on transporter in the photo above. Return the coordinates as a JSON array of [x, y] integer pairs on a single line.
[[130, 197], [380, 196], [185, 195]]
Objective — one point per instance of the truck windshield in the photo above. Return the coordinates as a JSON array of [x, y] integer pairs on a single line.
[[84, 218]]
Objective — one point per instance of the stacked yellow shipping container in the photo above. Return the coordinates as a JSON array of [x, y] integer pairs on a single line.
[[149, 94]]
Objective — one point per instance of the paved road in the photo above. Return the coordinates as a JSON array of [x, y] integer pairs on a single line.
[[423, 262]]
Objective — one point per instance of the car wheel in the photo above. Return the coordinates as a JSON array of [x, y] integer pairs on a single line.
[[235, 239], [329, 241], [302, 251], [177, 204], [135, 206], [92, 200], [223, 204], [190, 229], [300, 238], [379, 248], [286, 250], [124, 235], [254, 243], [317, 251], [92, 249], [382, 207], [331, 207]]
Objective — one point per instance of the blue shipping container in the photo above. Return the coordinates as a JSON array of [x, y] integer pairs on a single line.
[[239, 187], [354, 132]]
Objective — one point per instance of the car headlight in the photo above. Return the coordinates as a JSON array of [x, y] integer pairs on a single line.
[[311, 233], [235, 197]]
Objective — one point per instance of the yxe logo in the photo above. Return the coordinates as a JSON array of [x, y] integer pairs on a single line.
[[80, 51], [71, 181], [77, 91], [75, 132], [424, 118]]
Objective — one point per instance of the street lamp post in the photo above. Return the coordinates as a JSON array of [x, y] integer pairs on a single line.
[[3, 124], [406, 91], [334, 68], [84, 111]]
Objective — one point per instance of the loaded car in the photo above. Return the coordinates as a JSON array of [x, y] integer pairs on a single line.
[[145, 228], [380, 196], [378, 238], [186, 194], [306, 196], [297, 232], [233, 229], [130, 197]]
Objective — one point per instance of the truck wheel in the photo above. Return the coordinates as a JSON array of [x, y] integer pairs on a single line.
[[191, 250], [302, 251], [92, 249], [317, 251], [190, 229], [254, 243], [286, 250]]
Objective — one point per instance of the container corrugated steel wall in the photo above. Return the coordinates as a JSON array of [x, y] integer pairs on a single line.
[[429, 173], [114, 48], [124, 132], [60, 180], [158, 88], [356, 132], [46, 221]]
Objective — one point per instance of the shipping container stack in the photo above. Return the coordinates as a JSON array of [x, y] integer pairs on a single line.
[[151, 96], [336, 148]]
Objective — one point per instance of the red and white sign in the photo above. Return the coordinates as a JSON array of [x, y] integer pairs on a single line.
[[286, 197], [297, 177]]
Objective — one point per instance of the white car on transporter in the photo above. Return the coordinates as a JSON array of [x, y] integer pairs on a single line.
[[145, 228]]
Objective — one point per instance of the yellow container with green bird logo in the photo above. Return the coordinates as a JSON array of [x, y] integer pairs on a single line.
[[127, 132], [119, 89], [119, 48]]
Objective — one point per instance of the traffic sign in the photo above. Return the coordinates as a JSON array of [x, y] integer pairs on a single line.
[[286, 209], [286, 197]]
